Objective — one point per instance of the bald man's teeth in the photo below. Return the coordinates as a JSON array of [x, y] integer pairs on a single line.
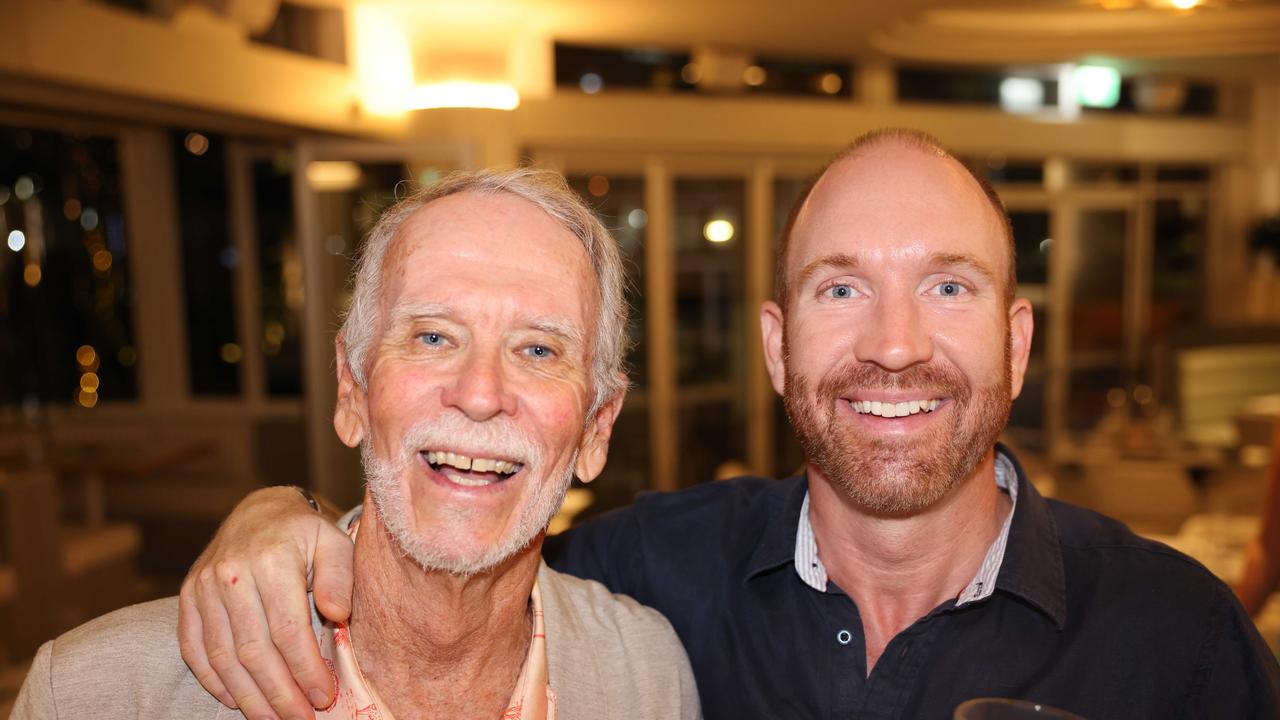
[[894, 410]]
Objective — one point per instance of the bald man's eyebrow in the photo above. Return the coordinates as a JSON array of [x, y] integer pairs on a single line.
[[837, 261], [962, 260]]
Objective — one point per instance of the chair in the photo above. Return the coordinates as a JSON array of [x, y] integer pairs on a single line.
[[59, 575]]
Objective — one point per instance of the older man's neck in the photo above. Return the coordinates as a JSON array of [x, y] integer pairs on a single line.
[[899, 569], [435, 644]]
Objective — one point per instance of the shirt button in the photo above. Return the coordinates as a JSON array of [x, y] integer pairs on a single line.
[[843, 637]]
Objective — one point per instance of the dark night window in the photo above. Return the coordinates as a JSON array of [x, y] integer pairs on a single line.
[[280, 274], [209, 259], [67, 330], [598, 69]]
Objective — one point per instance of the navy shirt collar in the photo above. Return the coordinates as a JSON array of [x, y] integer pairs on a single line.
[[777, 544], [1031, 570]]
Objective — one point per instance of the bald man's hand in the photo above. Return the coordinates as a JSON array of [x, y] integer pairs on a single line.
[[244, 623]]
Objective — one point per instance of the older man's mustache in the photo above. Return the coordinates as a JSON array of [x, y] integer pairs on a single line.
[[491, 446]]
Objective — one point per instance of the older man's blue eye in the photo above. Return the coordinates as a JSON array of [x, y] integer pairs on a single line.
[[539, 351], [432, 338]]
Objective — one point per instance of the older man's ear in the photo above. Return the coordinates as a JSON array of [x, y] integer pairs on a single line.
[[594, 450], [350, 417]]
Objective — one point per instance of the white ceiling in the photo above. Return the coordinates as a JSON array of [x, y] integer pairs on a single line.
[[1246, 32]]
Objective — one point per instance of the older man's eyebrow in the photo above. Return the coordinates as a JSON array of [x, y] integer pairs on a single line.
[[559, 328], [837, 261], [962, 260], [405, 314], [562, 329]]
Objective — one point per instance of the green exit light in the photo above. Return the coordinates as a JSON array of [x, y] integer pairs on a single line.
[[1097, 86]]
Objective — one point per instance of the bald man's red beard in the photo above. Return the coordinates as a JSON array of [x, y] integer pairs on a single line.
[[898, 475]]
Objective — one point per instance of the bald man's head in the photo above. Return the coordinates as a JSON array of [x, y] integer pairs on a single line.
[[914, 140]]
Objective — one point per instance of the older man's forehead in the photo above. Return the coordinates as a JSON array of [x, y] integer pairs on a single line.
[[494, 221], [496, 242]]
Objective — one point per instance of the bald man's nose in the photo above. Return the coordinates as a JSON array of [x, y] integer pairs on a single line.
[[895, 338]]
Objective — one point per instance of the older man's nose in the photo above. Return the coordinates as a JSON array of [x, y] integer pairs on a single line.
[[480, 390], [894, 337]]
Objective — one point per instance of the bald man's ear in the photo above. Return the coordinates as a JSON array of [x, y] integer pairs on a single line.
[[351, 418], [771, 332], [1021, 328], [594, 450]]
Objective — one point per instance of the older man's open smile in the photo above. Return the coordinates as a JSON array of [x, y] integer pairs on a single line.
[[462, 469]]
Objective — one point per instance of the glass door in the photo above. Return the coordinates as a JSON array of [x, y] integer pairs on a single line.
[[339, 191], [1096, 299]]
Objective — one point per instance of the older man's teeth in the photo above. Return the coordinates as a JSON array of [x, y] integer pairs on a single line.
[[894, 410], [466, 481], [462, 462]]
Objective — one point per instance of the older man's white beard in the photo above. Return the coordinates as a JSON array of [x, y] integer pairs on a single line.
[[384, 480]]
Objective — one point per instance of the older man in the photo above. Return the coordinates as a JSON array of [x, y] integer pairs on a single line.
[[478, 372], [912, 567]]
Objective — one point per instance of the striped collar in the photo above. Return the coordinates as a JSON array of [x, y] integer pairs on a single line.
[[814, 574]]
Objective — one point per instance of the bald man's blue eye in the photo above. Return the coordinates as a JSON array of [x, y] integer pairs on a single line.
[[432, 338]]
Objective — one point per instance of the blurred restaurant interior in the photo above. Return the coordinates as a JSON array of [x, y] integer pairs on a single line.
[[183, 184]]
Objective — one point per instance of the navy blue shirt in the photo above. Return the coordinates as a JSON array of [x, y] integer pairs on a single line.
[[1086, 616]]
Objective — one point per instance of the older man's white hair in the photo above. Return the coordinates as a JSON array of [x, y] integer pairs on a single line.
[[549, 191]]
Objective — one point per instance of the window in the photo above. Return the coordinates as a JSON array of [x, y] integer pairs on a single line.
[[280, 275], [209, 260], [595, 69], [710, 336], [64, 278], [619, 202], [1032, 245], [982, 86], [307, 30]]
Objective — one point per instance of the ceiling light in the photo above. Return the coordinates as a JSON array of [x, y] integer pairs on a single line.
[[462, 94], [1021, 95], [333, 175], [1097, 86], [718, 231]]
